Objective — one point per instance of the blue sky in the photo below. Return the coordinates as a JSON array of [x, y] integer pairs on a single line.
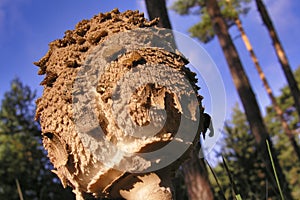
[[27, 26]]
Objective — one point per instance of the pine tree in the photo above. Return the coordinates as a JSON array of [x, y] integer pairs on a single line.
[[217, 16], [285, 151], [231, 9], [21, 156], [245, 165], [203, 30], [279, 112], [245, 91], [281, 55]]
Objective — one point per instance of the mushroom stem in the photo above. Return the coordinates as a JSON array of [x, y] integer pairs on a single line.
[[150, 187]]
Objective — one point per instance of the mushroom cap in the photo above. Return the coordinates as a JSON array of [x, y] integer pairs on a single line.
[[142, 100]]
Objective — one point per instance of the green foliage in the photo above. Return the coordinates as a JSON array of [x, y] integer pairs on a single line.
[[203, 30], [21, 154], [184, 7], [244, 162], [245, 165], [17, 110], [238, 197], [287, 156], [229, 174], [213, 177]]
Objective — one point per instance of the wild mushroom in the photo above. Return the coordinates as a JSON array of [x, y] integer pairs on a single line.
[[120, 110]]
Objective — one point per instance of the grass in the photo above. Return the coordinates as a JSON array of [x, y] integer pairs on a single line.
[[216, 179], [233, 186], [274, 170], [19, 190]]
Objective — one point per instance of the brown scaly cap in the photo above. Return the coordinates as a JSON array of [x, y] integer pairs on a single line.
[[74, 164]]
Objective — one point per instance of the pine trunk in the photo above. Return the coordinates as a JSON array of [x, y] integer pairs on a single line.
[[262, 76], [157, 8], [280, 54], [245, 92], [196, 179]]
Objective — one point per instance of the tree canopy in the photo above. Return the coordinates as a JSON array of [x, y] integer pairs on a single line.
[[203, 30], [22, 157], [247, 168]]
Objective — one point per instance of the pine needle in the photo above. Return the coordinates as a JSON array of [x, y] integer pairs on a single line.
[[233, 186], [19, 190], [216, 179], [274, 170]]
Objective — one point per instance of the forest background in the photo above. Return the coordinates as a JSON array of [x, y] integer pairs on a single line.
[[26, 27]]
